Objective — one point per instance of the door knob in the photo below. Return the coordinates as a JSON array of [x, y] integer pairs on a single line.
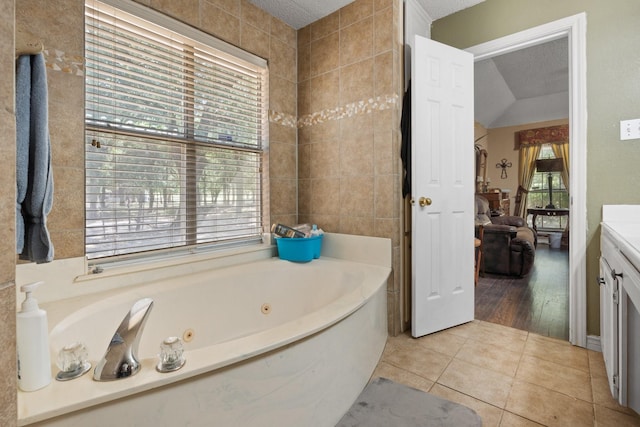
[[424, 201]]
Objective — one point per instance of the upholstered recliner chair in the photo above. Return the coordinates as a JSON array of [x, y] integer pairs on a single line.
[[508, 244]]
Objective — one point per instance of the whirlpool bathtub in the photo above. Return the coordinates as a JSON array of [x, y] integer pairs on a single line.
[[268, 342]]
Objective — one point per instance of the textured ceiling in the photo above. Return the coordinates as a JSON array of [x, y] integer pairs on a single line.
[[537, 70], [437, 9], [523, 86], [300, 13]]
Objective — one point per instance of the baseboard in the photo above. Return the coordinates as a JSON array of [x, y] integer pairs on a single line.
[[593, 343]]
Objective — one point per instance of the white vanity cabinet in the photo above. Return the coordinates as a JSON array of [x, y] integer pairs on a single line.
[[620, 301], [609, 297]]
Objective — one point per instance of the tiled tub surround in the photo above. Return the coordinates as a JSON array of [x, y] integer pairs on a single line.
[[296, 364], [370, 139], [367, 60], [8, 379], [350, 88]]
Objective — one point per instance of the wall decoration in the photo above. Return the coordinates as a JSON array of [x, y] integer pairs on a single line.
[[379, 103], [504, 164]]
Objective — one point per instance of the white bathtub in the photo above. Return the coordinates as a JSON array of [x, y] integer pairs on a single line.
[[302, 363]]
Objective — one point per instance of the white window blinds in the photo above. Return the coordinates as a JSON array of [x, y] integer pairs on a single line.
[[175, 132]]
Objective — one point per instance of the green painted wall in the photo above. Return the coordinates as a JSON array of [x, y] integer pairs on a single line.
[[613, 94]]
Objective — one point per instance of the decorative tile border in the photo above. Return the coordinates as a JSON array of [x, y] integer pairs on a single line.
[[58, 60], [368, 106], [283, 119], [379, 103]]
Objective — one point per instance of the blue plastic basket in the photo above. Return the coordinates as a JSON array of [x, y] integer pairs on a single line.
[[299, 249]]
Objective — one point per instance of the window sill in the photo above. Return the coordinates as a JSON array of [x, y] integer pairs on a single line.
[[194, 262], [70, 277]]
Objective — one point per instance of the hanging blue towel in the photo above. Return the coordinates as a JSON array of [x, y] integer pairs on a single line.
[[34, 178]]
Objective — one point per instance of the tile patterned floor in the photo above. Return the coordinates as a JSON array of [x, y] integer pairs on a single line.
[[508, 376]]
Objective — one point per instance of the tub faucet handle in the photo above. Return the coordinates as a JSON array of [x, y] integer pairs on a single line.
[[171, 355], [121, 358], [72, 361]]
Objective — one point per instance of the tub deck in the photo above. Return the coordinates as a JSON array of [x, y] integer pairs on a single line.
[[244, 349]]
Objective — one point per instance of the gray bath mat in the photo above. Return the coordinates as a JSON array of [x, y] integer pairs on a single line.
[[384, 403]]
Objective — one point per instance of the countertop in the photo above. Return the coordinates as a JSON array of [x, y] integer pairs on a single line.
[[622, 224], [627, 235]]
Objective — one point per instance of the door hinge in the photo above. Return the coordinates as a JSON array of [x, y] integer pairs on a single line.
[[615, 382], [615, 297]]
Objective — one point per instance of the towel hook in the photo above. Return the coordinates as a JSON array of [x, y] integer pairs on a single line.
[[95, 143]]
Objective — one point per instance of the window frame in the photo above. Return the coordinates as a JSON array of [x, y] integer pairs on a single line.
[[546, 152], [146, 14]]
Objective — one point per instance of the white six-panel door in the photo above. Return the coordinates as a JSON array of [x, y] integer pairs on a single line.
[[442, 187]]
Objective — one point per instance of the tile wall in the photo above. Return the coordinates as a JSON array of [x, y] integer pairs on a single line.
[[8, 404], [349, 104], [65, 79]]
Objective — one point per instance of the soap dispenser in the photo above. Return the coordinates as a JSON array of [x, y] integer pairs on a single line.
[[32, 337]]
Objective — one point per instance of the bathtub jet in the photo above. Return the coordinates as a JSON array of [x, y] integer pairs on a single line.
[[121, 358]]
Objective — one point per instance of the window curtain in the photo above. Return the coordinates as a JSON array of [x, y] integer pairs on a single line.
[[526, 167], [562, 151], [531, 141]]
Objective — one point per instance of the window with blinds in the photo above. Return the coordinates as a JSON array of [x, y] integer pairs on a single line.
[[175, 134], [539, 193]]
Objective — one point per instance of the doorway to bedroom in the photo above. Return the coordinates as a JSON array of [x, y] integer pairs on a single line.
[[516, 93]]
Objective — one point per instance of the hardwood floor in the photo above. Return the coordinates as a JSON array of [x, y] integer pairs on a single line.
[[538, 303]]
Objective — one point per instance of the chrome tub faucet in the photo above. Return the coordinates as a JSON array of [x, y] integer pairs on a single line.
[[120, 359]]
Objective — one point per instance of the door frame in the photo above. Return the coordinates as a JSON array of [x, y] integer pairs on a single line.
[[574, 28]]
